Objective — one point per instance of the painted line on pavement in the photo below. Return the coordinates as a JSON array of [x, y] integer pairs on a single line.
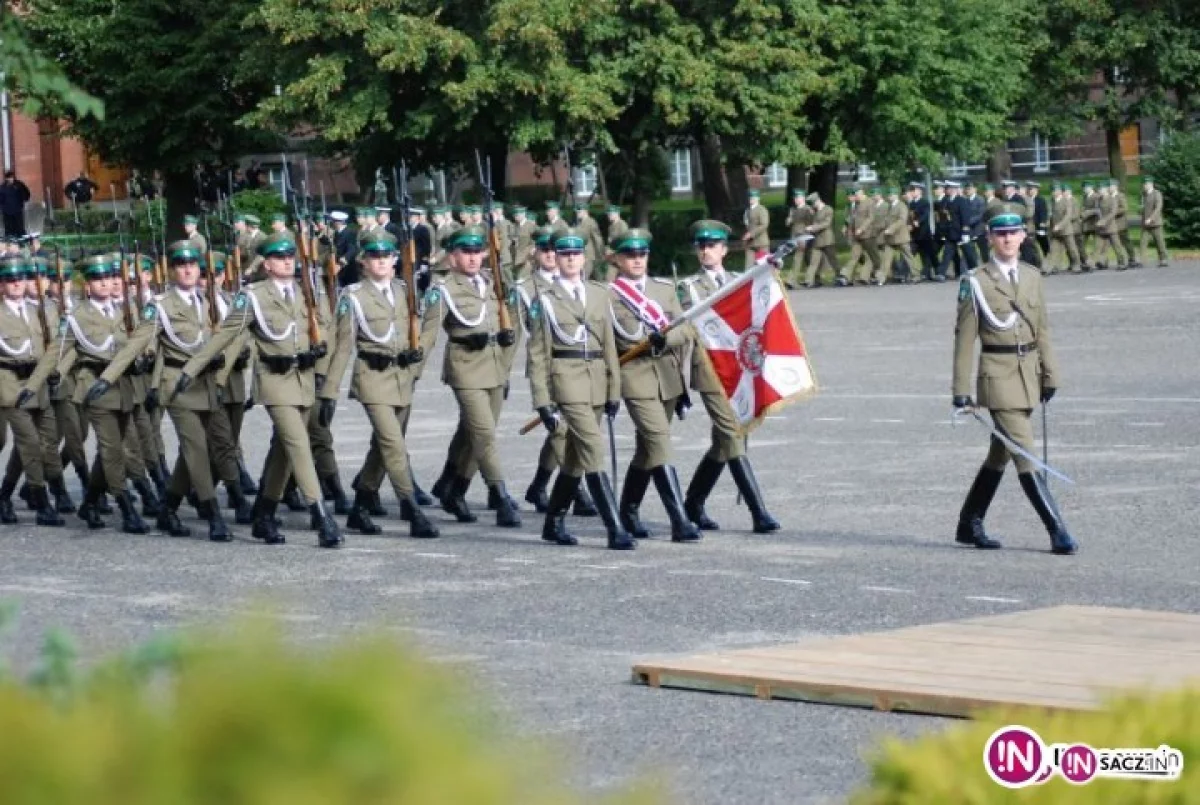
[[437, 555], [506, 561], [877, 589], [993, 599], [784, 581]]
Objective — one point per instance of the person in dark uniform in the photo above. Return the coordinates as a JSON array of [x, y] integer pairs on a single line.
[[1041, 215], [345, 248], [951, 219], [975, 224], [920, 224], [1012, 196]]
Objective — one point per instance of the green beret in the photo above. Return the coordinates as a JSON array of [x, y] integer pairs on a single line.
[[277, 243], [147, 263], [552, 205], [219, 259], [97, 266], [191, 219], [518, 209], [12, 267], [40, 266], [707, 231], [797, 192], [365, 212], [632, 240], [239, 218], [468, 236], [614, 208], [544, 236], [1147, 180], [379, 242], [1006, 221], [568, 240], [182, 251]]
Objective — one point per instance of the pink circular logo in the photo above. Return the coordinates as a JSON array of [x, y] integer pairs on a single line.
[[1078, 763], [750, 351], [1014, 757]]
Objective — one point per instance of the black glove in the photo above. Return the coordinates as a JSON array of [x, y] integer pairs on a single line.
[[151, 401], [546, 414], [611, 408], [658, 343], [248, 404], [963, 401], [506, 391], [414, 356], [683, 405], [478, 341], [53, 379], [319, 351], [320, 381], [325, 415], [1048, 393], [506, 338], [25, 396], [98, 390], [182, 384]]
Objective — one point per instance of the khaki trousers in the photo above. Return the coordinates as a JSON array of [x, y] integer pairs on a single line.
[[1062, 246], [652, 444], [192, 468], [1156, 233], [387, 443], [224, 425], [478, 412], [108, 470], [1107, 242], [727, 439], [34, 431], [584, 451], [71, 428], [1017, 426], [826, 255], [290, 453]]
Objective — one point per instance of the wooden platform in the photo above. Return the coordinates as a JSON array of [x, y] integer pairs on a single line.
[[1062, 658]]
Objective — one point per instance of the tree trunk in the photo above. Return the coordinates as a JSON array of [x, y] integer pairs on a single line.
[[823, 181], [1183, 102], [998, 164], [1112, 139], [796, 180], [716, 191], [179, 193], [823, 178], [496, 157], [739, 186]]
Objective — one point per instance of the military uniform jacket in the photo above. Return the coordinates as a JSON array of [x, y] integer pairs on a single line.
[[1121, 218], [974, 209], [648, 377], [919, 223], [860, 221], [470, 319], [758, 222], [26, 360], [692, 291], [572, 349], [1062, 218], [879, 220], [895, 232], [181, 329], [279, 329], [1011, 321], [593, 240], [798, 219], [90, 342], [1106, 224], [66, 384], [1091, 212], [1152, 209], [374, 330], [231, 378], [523, 240], [616, 229], [821, 227]]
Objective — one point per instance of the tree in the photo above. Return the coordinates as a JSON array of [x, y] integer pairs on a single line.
[[38, 82], [176, 78]]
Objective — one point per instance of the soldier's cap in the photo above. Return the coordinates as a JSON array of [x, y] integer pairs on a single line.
[[97, 266], [752, 194], [191, 219], [613, 208], [253, 220], [797, 192], [969, 183], [365, 212], [416, 210], [239, 218], [440, 209], [876, 191], [12, 267], [915, 185], [518, 209], [1008, 183], [147, 263], [1088, 186], [183, 251], [1032, 183], [219, 259], [813, 198], [938, 183], [888, 190], [953, 183], [379, 242], [568, 241], [339, 215], [1006, 221], [1056, 186], [855, 188], [278, 244], [709, 231], [474, 208], [552, 205], [384, 209], [1147, 180], [278, 218], [469, 237], [989, 186], [1114, 182], [633, 240], [40, 266], [543, 237]]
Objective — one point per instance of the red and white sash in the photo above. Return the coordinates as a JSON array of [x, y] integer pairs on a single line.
[[645, 308]]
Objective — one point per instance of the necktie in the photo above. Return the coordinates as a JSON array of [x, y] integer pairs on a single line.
[[1012, 277], [478, 285], [579, 294], [720, 279]]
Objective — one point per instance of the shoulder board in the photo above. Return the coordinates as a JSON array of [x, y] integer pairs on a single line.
[[344, 303], [434, 295], [964, 287], [149, 312], [240, 301], [598, 284], [354, 286], [663, 281]]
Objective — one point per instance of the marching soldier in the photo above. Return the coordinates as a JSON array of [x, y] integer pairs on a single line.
[[757, 236], [651, 384], [1152, 221], [854, 198], [921, 227], [595, 248], [1062, 232], [616, 228], [575, 378], [1122, 221], [72, 423], [177, 322], [554, 217], [799, 216], [275, 315], [1089, 215], [372, 322], [821, 248], [728, 445], [1002, 306], [895, 239], [475, 366], [190, 224], [1106, 230], [523, 231]]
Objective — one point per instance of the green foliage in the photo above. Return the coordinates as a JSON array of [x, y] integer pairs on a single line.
[[1176, 171], [947, 768], [262, 203], [248, 719], [39, 83]]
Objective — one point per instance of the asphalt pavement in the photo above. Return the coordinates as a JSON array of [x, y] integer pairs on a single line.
[[867, 478]]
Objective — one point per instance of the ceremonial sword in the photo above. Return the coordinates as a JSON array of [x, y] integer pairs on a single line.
[[1009, 443]]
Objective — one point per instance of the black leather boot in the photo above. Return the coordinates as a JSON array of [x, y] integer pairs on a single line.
[[666, 481], [265, 526], [419, 526], [454, 501], [7, 515], [88, 511], [370, 500], [245, 481], [46, 513], [210, 510], [293, 499], [554, 529], [507, 513], [606, 506], [703, 482], [338, 495], [24, 494], [168, 518], [62, 498], [360, 519], [632, 494], [747, 484], [131, 521], [156, 478], [1043, 503], [444, 482], [237, 501], [536, 493], [494, 499], [970, 529], [584, 507], [150, 503], [420, 496], [102, 504], [328, 534]]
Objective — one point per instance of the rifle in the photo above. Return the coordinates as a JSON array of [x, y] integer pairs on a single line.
[[569, 184], [126, 312], [408, 259], [306, 284], [62, 299], [210, 275], [485, 186], [41, 289]]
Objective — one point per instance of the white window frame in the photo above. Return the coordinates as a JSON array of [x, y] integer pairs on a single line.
[[1041, 154], [585, 180], [776, 175], [867, 174], [956, 167], [681, 170]]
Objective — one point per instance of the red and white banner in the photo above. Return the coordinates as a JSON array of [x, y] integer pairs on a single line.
[[755, 346], [645, 308]]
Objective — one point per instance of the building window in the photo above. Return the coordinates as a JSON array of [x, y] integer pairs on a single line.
[[1041, 153], [867, 174], [681, 171], [955, 167], [585, 180], [776, 175]]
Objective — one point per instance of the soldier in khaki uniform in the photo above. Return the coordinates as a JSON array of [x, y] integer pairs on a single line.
[[821, 249], [522, 231], [616, 228], [1002, 306], [554, 218], [1062, 232], [575, 378], [1122, 221], [94, 334], [178, 324], [1089, 215], [72, 423], [595, 249], [799, 216], [27, 364], [728, 442], [1152, 221], [475, 366], [273, 311], [895, 238], [651, 384], [372, 322], [248, 244], [190, 228], [1106, 231], [757, 236]]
